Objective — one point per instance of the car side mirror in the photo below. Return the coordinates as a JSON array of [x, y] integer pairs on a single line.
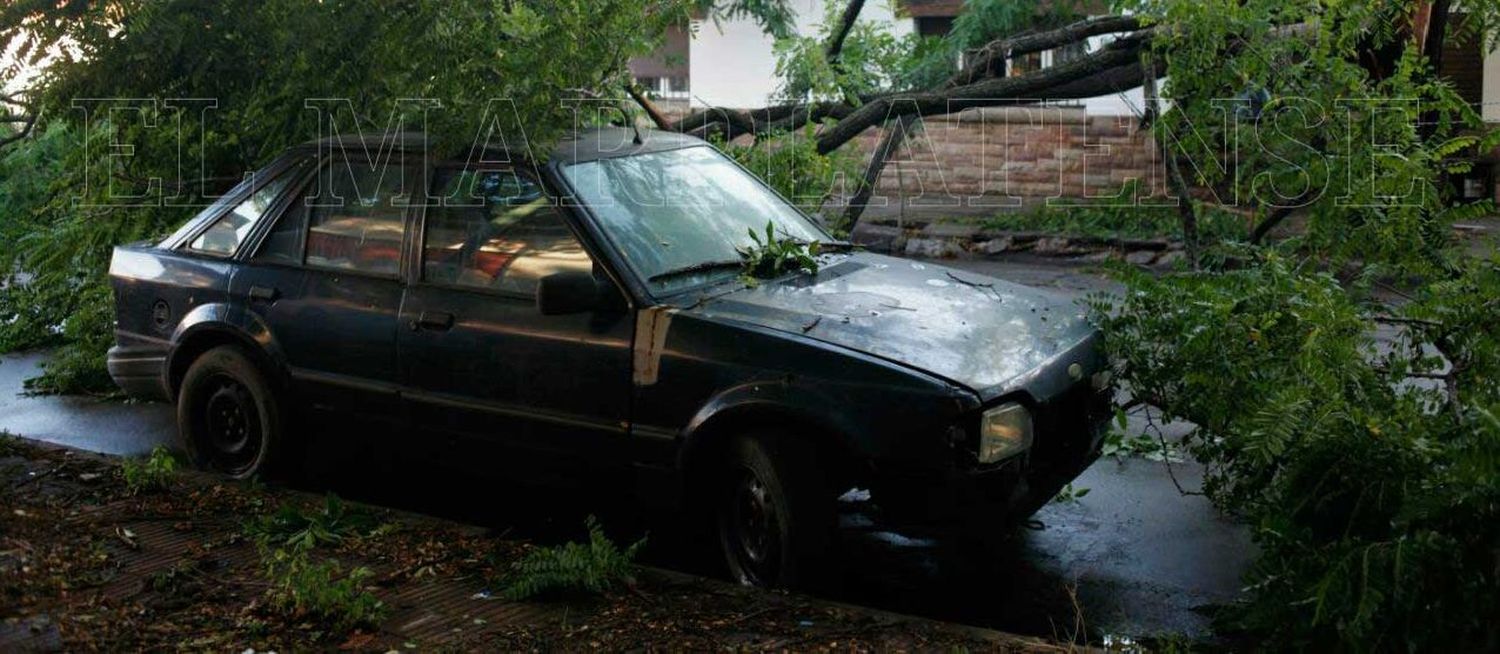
[[567, 292]]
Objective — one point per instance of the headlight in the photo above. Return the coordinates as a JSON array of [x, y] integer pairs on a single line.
[[1003, 431]]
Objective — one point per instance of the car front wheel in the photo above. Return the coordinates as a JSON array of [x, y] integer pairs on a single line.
[[227, 414], [774, 513]]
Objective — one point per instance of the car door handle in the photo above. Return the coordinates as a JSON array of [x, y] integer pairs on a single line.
[[434, 320], [264, 293]]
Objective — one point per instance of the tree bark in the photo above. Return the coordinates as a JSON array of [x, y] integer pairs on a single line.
[[846, 25], [1174, 173], [894, 137], [1100, 73], [989, 61], [1061, 82], [650, 107]]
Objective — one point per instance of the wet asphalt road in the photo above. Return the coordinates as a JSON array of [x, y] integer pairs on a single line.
[[1142, 558]]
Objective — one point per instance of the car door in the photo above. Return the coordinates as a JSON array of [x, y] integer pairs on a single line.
[[326, 282], [478, 359]]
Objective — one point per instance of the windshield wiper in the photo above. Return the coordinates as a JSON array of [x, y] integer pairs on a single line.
[[702, 266]]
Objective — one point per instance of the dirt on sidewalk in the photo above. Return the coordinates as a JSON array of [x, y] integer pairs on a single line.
[[91, 562]]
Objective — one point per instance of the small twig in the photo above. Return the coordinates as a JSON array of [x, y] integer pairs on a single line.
[[1166, 459], [966, 282], [809, 326]]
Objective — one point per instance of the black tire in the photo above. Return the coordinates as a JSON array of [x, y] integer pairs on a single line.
[[229, 419], [774, 513]]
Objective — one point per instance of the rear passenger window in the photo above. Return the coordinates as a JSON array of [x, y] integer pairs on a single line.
[[509, 238], [229, 231], [358, 218]]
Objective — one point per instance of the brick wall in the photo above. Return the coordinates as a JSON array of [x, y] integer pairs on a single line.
[[999, 156]]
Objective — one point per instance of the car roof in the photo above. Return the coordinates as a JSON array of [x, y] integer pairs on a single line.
[[588, 145]]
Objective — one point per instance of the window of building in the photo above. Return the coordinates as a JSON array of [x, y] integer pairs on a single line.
[[649, 84], [506, 241]]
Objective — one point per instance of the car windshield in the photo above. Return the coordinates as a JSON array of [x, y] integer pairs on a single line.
[[680, 217]]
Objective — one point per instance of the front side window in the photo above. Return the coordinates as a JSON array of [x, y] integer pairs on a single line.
[[496, 231], [229, 231], [680, 217], [358, 217]]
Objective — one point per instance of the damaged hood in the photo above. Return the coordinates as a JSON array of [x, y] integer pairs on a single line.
[[984, 333]]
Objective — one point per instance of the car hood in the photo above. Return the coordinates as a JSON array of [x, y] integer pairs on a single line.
[[987, 334]]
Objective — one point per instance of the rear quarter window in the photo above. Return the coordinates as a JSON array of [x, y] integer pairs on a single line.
[[226, 234]]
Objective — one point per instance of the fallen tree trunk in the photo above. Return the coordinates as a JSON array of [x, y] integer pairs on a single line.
[[894, 137]]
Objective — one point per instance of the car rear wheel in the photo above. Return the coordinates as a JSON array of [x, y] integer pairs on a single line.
[[227, 415], [774, 514]]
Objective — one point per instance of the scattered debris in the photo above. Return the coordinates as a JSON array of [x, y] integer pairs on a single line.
[[93, 566]]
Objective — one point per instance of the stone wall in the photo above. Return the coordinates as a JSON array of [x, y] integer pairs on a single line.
[[997, 157]]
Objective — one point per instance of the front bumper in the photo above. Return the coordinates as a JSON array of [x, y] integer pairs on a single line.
[[1069, 433], [138, 370]]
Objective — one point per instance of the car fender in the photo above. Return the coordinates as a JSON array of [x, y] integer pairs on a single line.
[[222, 319], [779, 398]]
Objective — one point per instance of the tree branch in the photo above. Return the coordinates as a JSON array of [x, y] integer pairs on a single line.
[[1056, 83], [650, 107], [1174, 172], [894, 136], [846, 25], [989, 61]]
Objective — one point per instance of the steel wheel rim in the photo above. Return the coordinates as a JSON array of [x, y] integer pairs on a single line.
[[753, 529], [230, 420]]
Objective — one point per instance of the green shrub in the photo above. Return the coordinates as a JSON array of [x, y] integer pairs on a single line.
[[151, 473], [305, 528], [1370, 475], [304, 589], [593, 567]]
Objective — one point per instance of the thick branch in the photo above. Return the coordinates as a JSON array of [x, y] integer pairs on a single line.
[[894, 136], [650, 107], [989, 61], [1056, 83], [846, 25]]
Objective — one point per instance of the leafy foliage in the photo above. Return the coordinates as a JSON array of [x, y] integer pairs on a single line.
[[321, 591], [67, 204], [872, 59], [303, 528], [594, 567], [776, 256], [152, 473], [1372, 491], [791, 165]]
